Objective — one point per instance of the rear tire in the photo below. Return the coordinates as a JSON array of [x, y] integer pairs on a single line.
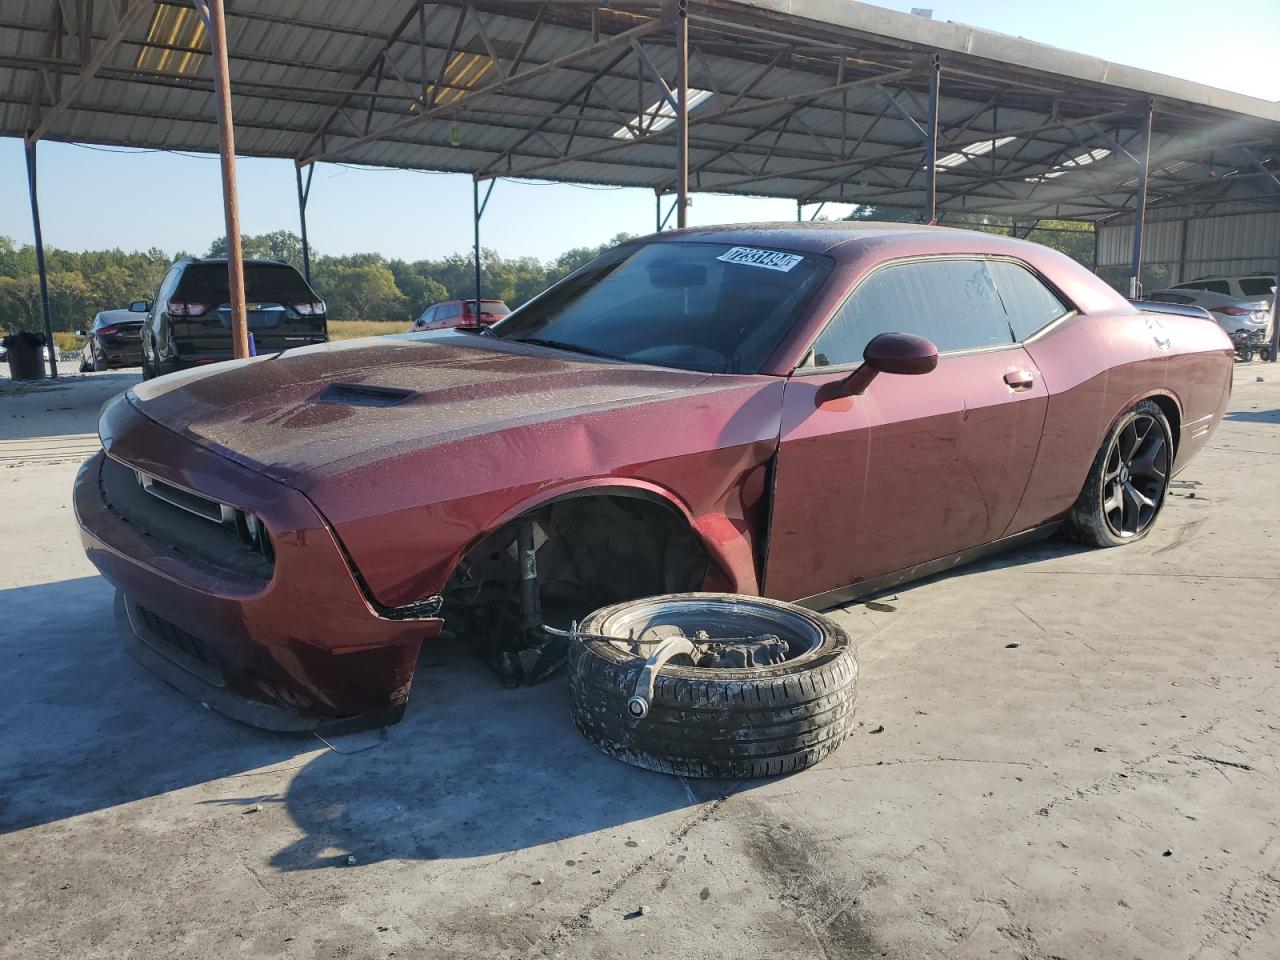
[[714, 721], [99, 363], [1128, 482]]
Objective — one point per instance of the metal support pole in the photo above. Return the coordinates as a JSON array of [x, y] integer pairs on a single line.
[[657, 211], [1182, 251], [682, 113], [216, 26], [930, 212], [1275, 317], [475, 209], [799, 211], [44, 279], [304, 194], [1140, 207]]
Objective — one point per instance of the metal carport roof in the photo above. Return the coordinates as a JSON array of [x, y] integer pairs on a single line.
[[815, 100], [809, 99]]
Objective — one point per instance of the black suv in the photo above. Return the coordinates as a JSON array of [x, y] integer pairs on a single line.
[[190, 322]]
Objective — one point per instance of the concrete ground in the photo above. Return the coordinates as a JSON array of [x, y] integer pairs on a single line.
[[1063, 754]]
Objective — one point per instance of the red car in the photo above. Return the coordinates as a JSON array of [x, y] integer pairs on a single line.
[[808, 412], [459, 313]]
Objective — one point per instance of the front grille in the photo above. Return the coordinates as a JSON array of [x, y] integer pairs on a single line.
[[183, 648], [184, 523]]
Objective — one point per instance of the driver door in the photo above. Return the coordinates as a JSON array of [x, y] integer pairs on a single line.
[[918, 467]]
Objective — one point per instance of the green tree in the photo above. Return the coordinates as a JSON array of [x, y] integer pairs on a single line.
[[277, 245], [365, 292]]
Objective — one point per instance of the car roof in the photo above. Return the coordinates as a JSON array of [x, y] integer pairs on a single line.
[[840, 239], [222, 261], [116, 315]]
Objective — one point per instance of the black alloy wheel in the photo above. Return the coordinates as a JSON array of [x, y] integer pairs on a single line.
[[1128, 482], [1135, 476]]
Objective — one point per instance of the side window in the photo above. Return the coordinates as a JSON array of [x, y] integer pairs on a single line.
[[1209, 286], [1257, 286], [1029, 304], [427, 316], [449, 312], [954, 303]]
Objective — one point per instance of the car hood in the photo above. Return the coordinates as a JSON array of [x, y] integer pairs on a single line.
[[307, 410]]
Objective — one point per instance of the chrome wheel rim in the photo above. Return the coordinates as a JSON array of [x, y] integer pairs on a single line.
[[1135, 476]]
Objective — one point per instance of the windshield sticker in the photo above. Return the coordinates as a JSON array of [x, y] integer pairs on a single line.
[[768, 259]]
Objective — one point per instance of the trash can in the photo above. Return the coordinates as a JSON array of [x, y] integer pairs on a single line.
[[25, 355]]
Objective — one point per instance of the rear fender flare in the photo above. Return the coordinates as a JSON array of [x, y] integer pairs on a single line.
[[1163, 397]]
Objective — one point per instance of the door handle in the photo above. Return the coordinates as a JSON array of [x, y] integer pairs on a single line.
[[1020, 379]]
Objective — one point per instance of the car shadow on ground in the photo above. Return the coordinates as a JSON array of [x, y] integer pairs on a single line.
[[84, 728], [472, 770]]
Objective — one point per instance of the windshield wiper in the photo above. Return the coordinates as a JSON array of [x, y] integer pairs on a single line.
[[570, 347]]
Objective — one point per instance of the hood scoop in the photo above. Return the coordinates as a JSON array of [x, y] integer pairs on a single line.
[[363, 395]]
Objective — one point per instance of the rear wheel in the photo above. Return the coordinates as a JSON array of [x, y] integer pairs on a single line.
[[1127, 484], [99, 362]]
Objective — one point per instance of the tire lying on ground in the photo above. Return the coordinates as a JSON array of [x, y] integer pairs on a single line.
[[752, 721]]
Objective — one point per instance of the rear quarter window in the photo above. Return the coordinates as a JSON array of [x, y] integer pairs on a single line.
[[1028, 303]]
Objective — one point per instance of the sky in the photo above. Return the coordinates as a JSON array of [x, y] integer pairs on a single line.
[[93, 198]]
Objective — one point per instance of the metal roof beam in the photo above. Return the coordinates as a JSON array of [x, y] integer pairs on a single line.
[[582, 91], [127, 15], [854, 166], [706, 118], [497, 86], [365, 74]]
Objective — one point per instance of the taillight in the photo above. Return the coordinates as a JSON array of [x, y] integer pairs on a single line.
[[107, 331], [1231, 311], [183, 308], [312, 308]]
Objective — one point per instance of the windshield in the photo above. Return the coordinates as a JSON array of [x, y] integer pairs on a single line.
[[709, 307]]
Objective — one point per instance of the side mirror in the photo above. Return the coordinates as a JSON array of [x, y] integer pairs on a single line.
[[902, 353], [79, 333], [139, 306]]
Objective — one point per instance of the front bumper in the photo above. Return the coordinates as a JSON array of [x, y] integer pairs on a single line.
[[300, 649]]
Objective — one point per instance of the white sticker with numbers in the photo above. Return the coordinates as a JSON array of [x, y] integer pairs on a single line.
[[766, 259]]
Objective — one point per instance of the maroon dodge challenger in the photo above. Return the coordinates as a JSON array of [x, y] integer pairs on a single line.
[[806, 412]]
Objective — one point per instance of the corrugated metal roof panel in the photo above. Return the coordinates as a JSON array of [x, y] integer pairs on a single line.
[[298, 65]]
